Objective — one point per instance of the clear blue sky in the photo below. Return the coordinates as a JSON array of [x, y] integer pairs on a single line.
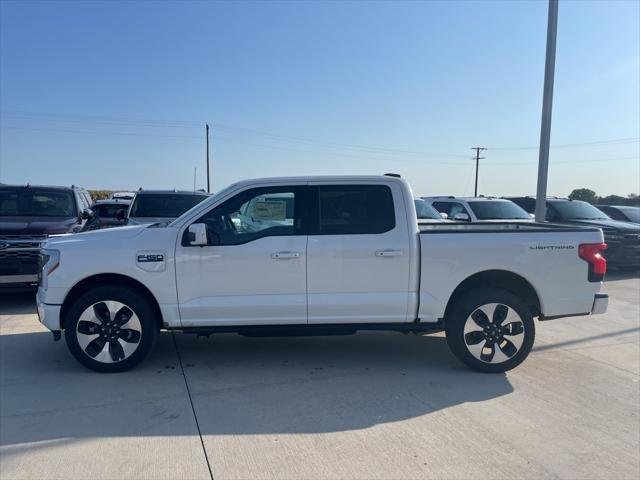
[[327, 78]]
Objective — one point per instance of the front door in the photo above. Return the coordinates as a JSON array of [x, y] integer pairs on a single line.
[[253, 270]]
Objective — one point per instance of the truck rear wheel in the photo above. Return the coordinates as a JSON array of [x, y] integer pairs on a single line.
[[490, 330], [110, 329]]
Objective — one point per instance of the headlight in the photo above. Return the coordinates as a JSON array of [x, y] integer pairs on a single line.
[[51, 261]]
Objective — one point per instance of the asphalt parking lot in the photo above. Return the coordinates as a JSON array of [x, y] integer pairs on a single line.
[[373, 405]]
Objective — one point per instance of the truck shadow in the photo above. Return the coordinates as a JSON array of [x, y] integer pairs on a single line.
[[238, 386]]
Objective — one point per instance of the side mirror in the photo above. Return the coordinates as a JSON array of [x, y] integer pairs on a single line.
[[444, 215], [461, 217], [86, 214], [197, 235], [121, 215]]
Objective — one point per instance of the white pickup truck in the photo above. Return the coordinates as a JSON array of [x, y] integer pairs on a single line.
[[317, 255]]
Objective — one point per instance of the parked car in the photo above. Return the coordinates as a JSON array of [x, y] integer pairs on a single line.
[[478, 209], [623, 238], [333, 255], [122, 195], [107, 213], [426, 213], [154, 206], [624, 213], [28, 214]]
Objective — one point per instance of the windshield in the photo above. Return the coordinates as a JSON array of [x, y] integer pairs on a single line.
[[578, 210], [211, 198], [632, 213], [163, 205], [424, 210], [498, 210], [36, 202], [109, 210]]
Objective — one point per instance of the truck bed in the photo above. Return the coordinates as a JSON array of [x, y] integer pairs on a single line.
[[549, 263], [497, 227]]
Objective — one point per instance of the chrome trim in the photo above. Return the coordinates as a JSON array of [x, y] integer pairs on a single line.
[[9, 279]]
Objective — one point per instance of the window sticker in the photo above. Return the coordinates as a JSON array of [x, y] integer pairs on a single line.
[[270, 210]]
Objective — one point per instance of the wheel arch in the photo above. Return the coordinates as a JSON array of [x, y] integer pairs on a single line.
[[502, 279], [108, 279]]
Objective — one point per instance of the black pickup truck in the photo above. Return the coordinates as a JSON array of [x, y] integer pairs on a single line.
[[28, 215], [622, 238]]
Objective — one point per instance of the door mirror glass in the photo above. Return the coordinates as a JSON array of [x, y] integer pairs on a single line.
[[197, 235], [87, 213], [461, 217], [444, 215]]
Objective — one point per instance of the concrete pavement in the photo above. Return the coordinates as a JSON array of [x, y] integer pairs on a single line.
[[372, 405]]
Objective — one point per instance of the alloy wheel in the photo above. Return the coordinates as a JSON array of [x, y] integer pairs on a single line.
[[109, 331], [494, 333]]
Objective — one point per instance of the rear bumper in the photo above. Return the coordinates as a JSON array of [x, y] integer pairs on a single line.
[[599, 306]]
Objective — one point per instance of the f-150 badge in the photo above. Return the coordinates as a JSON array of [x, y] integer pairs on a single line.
[[151, 257]]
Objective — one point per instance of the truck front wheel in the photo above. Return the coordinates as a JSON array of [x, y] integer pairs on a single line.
[[110, 329], [490, 330]]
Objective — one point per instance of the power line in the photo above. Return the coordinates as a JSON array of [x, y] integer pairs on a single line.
[[98, 122], [299, 150], [97, 133], [155, 122], [614, 141], [294, 139], [127, 121], [18, 114], [634, 157]]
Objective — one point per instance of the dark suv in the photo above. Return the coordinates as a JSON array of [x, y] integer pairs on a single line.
[[28, 214], [622, 238]]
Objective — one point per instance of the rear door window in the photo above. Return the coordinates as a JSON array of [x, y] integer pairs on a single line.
[[354, 209]]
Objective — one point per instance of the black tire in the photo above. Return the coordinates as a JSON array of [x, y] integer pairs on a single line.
[[143, 340], [494, 342]]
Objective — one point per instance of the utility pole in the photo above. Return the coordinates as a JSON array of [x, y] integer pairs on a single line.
[[478, 158], [547, 101], [195, 169], [208, 181]]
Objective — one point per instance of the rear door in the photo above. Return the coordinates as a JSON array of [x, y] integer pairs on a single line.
[[358, 254]]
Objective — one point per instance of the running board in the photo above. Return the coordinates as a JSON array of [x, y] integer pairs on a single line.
[[313, 330]]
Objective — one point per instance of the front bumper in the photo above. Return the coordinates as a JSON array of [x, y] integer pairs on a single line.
[[49, 315], [626, 254], [18, 283]]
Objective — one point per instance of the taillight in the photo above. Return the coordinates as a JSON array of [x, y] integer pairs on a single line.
[[590, 252]]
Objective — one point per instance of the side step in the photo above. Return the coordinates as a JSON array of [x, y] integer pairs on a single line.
[[313, 330]]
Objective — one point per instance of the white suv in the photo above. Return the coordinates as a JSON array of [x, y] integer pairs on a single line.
[[478, 209]]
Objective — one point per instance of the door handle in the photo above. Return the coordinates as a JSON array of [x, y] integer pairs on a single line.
[[284, 255], [388, 253]]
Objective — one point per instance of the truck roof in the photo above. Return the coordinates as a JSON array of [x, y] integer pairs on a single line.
[[50, 187], [465, 199], [322, 178], [172, 192]]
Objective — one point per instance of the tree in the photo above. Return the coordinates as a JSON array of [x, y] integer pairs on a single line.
[[584, 194]]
